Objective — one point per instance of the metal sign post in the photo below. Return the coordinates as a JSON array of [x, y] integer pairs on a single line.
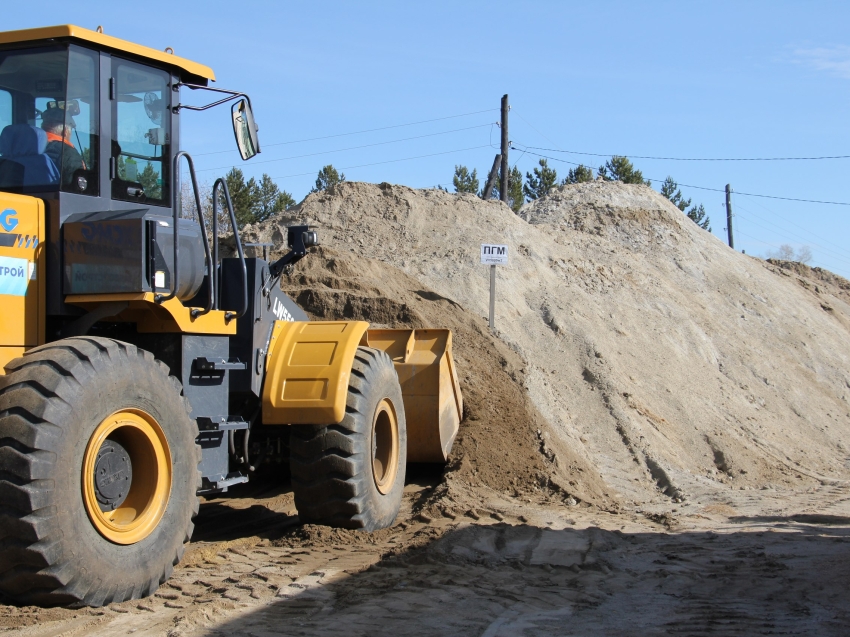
[[492, 296], [493, 255]]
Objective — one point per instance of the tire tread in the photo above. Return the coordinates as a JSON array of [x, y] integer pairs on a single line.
[[330, 472], [37, 389]]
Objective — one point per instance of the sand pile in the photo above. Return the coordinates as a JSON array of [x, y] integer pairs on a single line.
[[641, 347], [501, 442]]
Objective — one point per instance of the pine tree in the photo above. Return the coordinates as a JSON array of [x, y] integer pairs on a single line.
[[149, 178], [515, 195], [464, 181], [670, 189], [540, 182], [328, 177], [284, 201], [270, 199], [515, 189], [244, 196], [621, 169], [697, 214], [579, 174]]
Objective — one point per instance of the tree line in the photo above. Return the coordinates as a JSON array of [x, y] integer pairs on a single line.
[[253, 200], [257, 200], [543, 178]]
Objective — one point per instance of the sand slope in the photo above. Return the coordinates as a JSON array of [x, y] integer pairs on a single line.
[[673, 365]]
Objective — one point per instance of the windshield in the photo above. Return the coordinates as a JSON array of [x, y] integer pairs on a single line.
[[49, 120]]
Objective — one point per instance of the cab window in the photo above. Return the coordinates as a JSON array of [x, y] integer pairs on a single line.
[[141, 135], [71, 124], [5, 109], [48, 120]]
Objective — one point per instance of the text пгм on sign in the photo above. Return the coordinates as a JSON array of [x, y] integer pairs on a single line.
[[494, 254]]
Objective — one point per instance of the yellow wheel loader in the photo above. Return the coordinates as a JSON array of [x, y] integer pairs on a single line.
[[140, 370]]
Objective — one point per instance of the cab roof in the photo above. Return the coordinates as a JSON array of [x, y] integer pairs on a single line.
[[103, 41]]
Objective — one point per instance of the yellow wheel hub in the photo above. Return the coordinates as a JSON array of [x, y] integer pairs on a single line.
[[385, 446], [126, 476]]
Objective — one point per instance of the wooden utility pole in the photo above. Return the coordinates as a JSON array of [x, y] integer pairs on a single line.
[[729, 215], [491, 178], [503, 186]]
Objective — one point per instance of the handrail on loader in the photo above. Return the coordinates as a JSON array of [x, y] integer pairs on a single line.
[[220, 182]]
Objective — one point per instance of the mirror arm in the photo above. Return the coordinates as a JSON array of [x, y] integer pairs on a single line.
[[232, 96], [299, 238], [290, 258]]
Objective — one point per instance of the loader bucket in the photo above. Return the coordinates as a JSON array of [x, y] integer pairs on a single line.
[[433, 405]]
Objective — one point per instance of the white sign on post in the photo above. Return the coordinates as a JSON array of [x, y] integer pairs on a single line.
[[494, 254]]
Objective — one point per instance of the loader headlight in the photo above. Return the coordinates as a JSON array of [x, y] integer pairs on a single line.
[[311, 239]]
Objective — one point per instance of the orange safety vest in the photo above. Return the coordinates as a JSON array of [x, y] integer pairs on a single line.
[[53, 137]]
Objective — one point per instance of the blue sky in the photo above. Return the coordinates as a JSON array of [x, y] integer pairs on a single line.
[[671, 79]]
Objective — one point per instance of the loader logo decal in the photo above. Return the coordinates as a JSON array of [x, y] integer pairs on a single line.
[[14, 276], [280, 311], [8, 219], [110, 234]]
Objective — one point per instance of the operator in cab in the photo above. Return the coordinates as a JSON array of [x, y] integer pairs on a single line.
[[59, 146]]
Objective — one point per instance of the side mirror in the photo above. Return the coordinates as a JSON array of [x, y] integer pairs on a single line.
[[245, 129]]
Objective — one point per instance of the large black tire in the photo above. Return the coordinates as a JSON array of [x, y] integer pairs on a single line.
[[351, 475], [54, 400]]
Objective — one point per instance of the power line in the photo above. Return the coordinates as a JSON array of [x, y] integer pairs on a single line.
[[835, 255], [390, 161], [772, 245], [830, 253], [339, 150], [534, 128], [778, 216], [832, 203], [834, 251], [749, 236], [575, 152], [750, 194], [746, 194], [360, 132]]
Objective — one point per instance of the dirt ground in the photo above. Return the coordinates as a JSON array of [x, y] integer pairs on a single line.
[[508, 567], [654, 442]]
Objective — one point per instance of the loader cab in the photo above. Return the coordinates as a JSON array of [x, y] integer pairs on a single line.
[[90, 125], [86, 122]]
